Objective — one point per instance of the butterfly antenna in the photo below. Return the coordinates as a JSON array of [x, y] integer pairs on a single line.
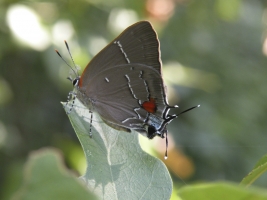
[[71, 57], [65, 61]]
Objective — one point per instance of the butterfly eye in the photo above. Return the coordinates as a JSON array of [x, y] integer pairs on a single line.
[[75, 82]]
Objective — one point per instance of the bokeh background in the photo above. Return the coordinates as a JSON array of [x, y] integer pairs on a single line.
[[213, 52]]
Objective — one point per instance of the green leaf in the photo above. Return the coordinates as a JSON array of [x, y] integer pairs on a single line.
[[257, 171], [221, 191], [117, 167], [47, 178]]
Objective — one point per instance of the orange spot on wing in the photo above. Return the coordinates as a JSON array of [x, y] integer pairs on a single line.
[[80, 82], [150, 106]]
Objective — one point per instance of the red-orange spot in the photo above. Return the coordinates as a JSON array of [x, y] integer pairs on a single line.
[[80, 82], [150, 106]]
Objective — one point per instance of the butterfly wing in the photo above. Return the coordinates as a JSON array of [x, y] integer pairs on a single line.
[[119, 92], [136, 44]]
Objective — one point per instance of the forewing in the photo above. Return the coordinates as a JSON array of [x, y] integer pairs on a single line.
[[136, 44]]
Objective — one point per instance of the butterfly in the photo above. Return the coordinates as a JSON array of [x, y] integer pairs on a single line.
[[123, 83]]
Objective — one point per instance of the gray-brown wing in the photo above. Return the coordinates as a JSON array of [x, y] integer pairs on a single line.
[[118, 93], [136, 44]]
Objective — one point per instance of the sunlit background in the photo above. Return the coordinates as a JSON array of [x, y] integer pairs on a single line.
[[213, 53]]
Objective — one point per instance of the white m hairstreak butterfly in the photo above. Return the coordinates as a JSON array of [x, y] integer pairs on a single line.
[[123, 84]]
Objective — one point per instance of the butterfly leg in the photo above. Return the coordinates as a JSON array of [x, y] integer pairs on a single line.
[[71, 97], [91, 121]]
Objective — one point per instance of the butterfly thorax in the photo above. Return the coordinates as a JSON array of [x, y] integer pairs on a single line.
[[81, 95]]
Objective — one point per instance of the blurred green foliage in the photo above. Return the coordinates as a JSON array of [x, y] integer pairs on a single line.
[[218, 47]]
